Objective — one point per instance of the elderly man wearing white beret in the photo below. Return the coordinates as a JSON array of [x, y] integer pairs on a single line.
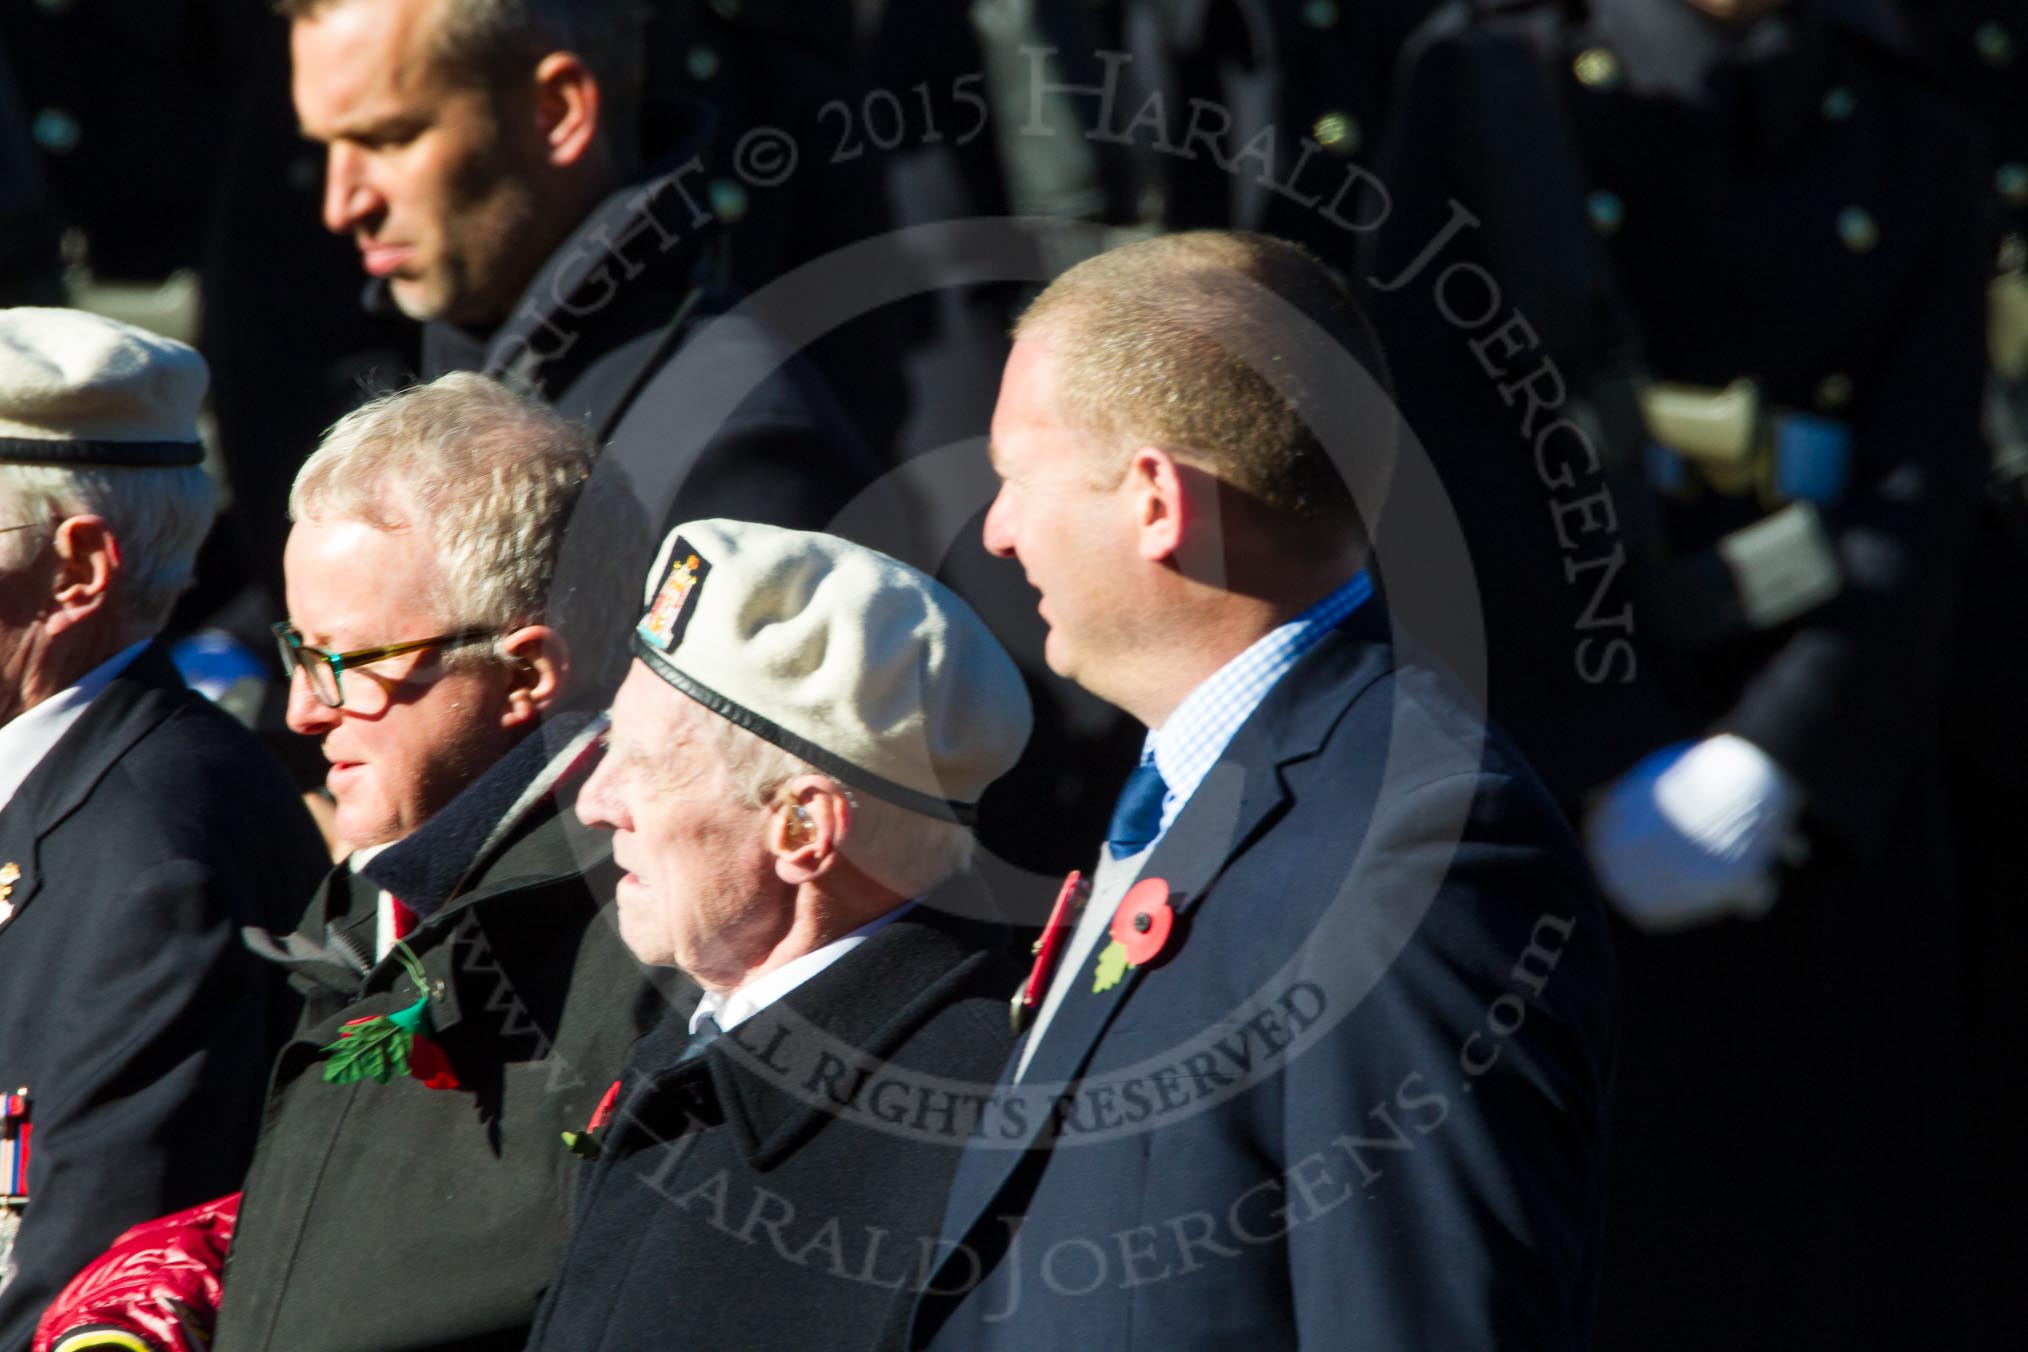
[[140, 828], [793, 761]]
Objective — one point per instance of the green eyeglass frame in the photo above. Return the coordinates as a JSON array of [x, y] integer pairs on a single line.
[[323, 669]]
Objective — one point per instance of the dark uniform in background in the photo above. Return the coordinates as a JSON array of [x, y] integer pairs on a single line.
[[1653, 196], [745, 67], [31, 266], [187, 204], [1980, 50]]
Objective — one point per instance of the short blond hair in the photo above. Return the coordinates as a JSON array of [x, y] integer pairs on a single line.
[[497, 479], [1194, 342]]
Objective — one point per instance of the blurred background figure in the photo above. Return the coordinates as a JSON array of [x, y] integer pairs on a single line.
[[1687, 303], [177, 195], [1978, 50]]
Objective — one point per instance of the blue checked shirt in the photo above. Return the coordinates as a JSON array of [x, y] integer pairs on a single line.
[[1189, 744]]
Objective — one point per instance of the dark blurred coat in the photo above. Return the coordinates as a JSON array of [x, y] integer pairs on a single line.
[[125, 100], [1653, 197], [756, 66], [165, 141], [707, 413], [1980, 51], [139, 1025]]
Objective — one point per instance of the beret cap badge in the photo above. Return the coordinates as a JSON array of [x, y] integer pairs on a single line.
[[675, 598]]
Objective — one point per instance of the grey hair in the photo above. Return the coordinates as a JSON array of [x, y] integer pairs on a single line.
[[905, 851], [497, 43], [498, 481], [158, 516]]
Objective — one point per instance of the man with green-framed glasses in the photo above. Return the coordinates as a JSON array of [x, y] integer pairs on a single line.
[[457, 702], [325, 671]]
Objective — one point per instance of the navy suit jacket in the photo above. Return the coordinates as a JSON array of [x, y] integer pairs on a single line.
[[154, 830], [1357, 1102]]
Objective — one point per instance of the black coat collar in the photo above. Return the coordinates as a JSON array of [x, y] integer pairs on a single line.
[[427, 868], [622, 272], [862, 1009]]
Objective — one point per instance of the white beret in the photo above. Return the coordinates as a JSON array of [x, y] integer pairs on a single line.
[[80, 389], [869, 670]]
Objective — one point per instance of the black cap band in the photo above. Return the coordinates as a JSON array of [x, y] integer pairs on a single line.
[[120, 454], [965, 814]]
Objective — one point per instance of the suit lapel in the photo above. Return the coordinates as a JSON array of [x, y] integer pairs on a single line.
[[1241, 797], [1227, 810], [128, 709], [1234, 800], [769, 1122]]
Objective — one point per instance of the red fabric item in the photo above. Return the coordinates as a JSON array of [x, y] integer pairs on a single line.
[[159, 1281], [604, 1112], [427, 1062], [404, 918]]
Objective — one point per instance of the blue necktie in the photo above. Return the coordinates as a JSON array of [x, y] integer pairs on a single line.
[[1137, 818]]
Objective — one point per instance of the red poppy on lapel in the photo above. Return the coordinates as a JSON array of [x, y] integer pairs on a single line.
[[1143, 922], [1142, 925]]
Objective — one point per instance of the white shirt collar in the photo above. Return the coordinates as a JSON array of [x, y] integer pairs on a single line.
[[33, 733], [742, 1003]]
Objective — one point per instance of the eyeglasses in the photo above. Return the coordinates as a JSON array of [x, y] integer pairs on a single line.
[[324, 670], [26, 525]]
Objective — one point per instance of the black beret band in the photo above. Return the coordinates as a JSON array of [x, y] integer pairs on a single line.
[[119, 454], [838, 767]]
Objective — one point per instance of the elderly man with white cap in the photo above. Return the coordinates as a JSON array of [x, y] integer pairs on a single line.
[[140, 828], [794, 757]]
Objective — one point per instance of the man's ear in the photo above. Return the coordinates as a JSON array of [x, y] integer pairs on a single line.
[[569, 107], [1178, 517], [87, 561], [1160, 506], [538, 673], [806, 833]]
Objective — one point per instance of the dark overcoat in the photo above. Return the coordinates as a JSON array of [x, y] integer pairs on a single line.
[[379, 1217], [709, 414], [785, 1188], [140, 1027]]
